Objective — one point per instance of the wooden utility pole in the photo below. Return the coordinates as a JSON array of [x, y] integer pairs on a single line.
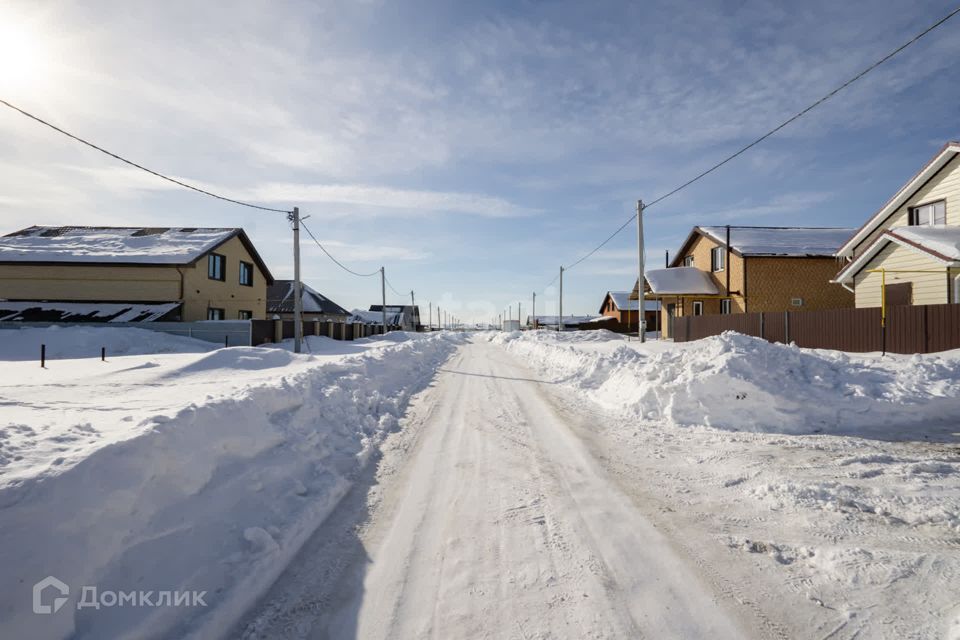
[[641, 321], [560, 319], [294, 217]]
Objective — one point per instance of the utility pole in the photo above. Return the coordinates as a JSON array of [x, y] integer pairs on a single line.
[[294, 217], [560, 320], [510, 313], [431, 317], [519, 306], [534, 310], [383, 297], [641, 322]]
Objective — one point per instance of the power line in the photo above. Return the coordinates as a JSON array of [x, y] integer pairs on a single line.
[[391, 286], [329, 255], [138, 166], [769, 133]]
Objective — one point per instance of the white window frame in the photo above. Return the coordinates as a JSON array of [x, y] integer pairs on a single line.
[[927, 214], [718, 259], [726, 306], [698, 307], [688, 261], [219, 311]]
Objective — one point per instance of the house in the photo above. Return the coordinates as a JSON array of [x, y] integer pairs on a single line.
[[908, 252], [623, 309], [570, 322], [172, 273], [315, 306], [741, 269], [407, 317]]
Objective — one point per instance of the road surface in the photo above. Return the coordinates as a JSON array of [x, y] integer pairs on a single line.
[[489, 517]]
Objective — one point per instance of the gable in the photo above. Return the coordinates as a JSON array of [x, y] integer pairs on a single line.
[[938, 179]]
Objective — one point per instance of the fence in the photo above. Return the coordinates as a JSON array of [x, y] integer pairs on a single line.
[[263, 331], [909, 329], [234, 333]]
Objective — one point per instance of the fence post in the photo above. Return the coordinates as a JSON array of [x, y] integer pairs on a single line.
[[226, 340], [278, 330], [786, 327], [103, 354], [43, 356], [763, 333], [926, 331]]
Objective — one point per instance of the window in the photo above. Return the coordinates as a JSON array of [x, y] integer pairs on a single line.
[[698, 307], [688, 261], [246, 274], [216, 267], [245, 315], [927, 214], [215, 314], [718, 259], [725, 306]]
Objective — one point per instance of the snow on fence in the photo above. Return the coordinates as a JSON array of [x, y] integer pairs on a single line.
[[233, 333], [909, 329]]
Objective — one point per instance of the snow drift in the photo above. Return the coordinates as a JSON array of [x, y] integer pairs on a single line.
[[220, 467], [738, 382]]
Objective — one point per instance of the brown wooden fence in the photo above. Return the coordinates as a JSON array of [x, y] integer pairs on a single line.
[[909, 329]]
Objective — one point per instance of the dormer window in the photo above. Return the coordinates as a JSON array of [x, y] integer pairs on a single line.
[[928, 214], [688, 261]]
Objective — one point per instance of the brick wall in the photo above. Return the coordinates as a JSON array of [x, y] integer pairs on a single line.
[[773, 282]]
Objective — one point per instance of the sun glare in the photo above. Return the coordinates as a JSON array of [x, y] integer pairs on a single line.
[[21, 55]]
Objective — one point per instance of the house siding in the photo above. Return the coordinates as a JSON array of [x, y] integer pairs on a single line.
[[79, 283], [928, 288], [773, 282], [944, 186], [201, 293]]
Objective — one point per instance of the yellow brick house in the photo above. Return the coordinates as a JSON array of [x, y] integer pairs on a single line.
[[908, 252], [131, 273], [746, 269]]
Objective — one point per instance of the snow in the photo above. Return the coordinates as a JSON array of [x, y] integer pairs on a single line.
[[624, 303], [944, 240], [782, 241], [736, 382], [680, 280], [111, 244], [184, 468]]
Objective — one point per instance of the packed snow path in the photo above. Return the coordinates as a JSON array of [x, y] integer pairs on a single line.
[[492, 519]]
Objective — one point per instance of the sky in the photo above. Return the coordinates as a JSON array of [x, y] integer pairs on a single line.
[[470, 148]]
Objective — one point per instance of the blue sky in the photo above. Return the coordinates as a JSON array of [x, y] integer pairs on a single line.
[[472, 148]]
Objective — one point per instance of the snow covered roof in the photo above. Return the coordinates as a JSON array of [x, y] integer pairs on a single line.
[[41, 311], [947, 154], [568, 320], [280, 300], [394, 317], [625, 303], [680, 280], [938, 242], [779, 241]]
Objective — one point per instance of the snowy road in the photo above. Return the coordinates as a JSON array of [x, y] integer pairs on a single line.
[[492, 519]]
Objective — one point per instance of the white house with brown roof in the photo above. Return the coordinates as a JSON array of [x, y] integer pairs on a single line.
[[169, 273], [908, 252]]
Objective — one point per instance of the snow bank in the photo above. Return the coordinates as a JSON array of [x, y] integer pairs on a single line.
[[743, 383], [214, 492], [85, 342]]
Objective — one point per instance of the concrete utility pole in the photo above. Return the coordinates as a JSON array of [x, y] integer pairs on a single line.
[[560, 319], [534, 312], [383, 297], [294, 217], [519, 306], [431, 317], [641, 281]]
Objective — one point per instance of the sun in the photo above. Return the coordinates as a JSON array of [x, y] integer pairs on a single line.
[[22, 55]]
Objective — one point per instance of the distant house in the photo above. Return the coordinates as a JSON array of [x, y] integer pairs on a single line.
[[131, 273], [739, 269], [315, 306], [407, 317], [912, 244], [623, 309]]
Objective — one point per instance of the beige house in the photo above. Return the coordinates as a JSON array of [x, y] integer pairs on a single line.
[[181, 273], [740, 269], [908, 252]]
